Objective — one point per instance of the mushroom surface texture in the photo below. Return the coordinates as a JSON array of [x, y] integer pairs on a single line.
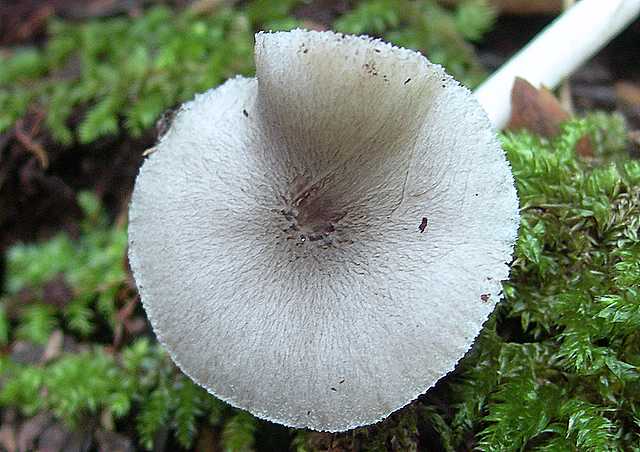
[[321, 244]]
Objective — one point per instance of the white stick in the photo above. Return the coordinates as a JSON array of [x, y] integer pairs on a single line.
[[564, 93], [557, 51]]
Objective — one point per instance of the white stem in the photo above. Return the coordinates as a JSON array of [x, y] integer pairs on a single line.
[[564, 92], [557, 51]]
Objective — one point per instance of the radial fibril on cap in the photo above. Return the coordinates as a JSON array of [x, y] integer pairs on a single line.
[[277, 239]]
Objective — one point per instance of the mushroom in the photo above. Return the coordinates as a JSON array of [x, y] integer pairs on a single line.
[[321, 244]]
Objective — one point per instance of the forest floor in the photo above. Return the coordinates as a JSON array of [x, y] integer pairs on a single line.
[[41, 179]]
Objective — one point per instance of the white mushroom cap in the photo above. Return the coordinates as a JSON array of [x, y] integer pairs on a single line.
[[275, 235]]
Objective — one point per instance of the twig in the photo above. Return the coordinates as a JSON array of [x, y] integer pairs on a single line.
[[557, 51], [32, 146], [122, 316]]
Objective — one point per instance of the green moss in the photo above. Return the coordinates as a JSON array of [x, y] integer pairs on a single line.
[[560, 373], [555, 368], [91, 269], [120, 74], [124, 72]]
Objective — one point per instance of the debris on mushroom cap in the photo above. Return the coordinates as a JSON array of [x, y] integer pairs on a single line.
[[279, 239]]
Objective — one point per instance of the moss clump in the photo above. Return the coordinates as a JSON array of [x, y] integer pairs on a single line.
[[86, 276], [555, 368], [140, 382], [107, 76]]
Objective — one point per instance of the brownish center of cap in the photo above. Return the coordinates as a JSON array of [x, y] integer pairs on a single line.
[[311, 212]]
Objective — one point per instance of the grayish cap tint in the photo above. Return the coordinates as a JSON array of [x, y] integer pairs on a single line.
[[321, 244]]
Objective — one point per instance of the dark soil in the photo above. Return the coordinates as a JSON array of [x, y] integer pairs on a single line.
[[36, 202]]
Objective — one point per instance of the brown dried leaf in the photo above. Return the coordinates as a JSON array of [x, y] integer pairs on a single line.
[[584, 147], [628, 93], [535, 109], [628, 100]]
